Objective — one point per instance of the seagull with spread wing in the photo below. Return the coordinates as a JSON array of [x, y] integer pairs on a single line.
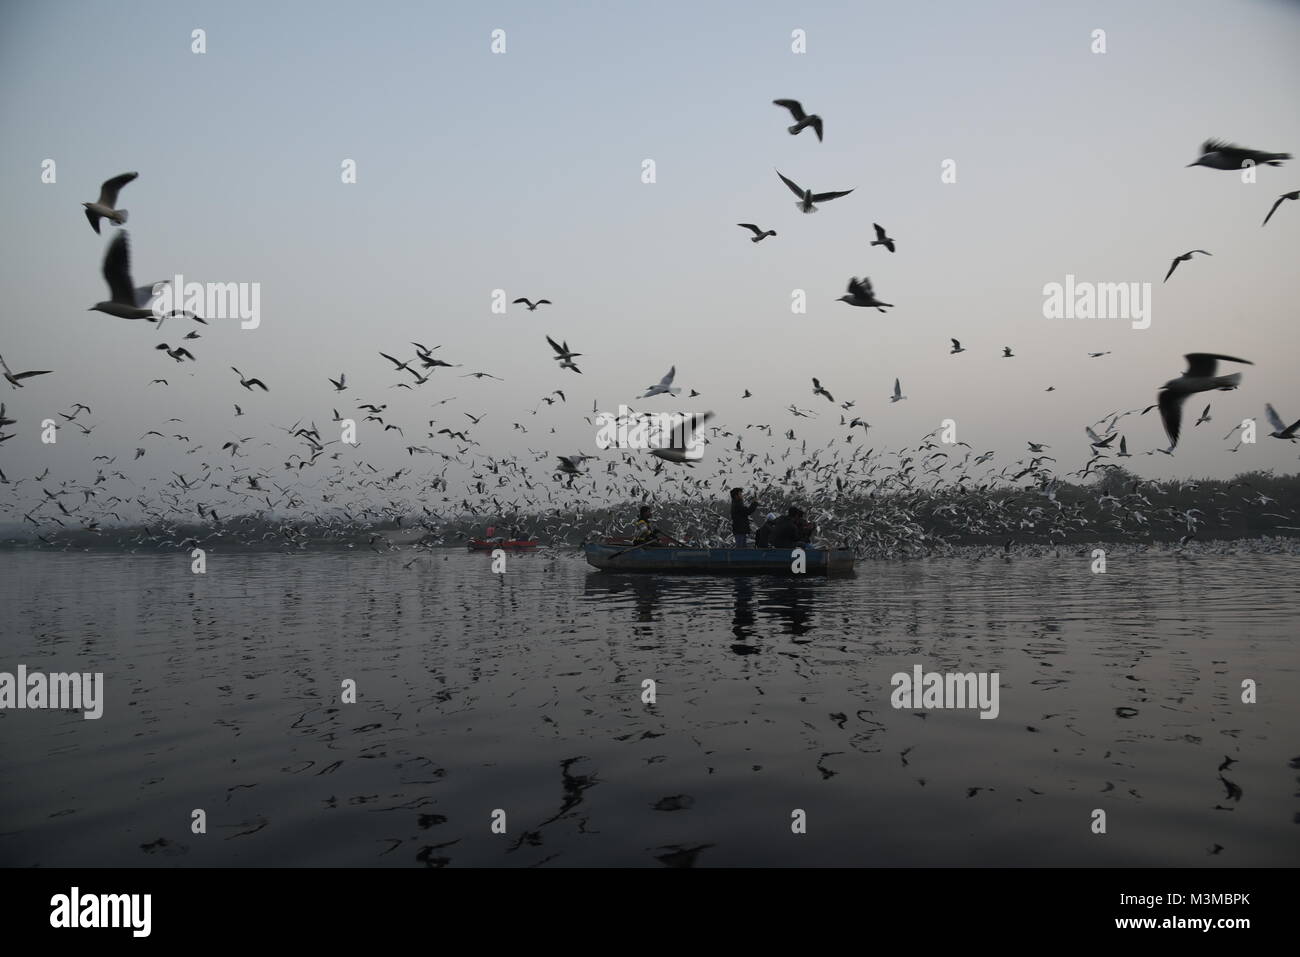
[[807, 197], [1199, 377]]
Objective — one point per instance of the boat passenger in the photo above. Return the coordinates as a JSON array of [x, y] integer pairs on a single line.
[[740, 513], [763, 537]]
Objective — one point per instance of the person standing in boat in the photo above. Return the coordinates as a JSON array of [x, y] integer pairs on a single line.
[[740, 513]]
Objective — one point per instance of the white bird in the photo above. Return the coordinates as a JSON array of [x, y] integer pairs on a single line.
[[807, 197], [663, 386], [1280, 429], [898, 393], [1199, 377], [571, 464], [102, 208], [679, 456], [126, 301]]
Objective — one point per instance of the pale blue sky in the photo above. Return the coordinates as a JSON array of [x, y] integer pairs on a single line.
[[521, 171]]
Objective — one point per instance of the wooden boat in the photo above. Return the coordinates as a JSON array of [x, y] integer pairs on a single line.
[[487, 545], [742, 561]]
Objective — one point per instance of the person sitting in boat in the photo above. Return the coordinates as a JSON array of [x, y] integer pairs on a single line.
[[763, 537], [740, 513], [791, 530], [645, 531]]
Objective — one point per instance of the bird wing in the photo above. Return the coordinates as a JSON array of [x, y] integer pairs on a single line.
[[1275, 204], [28, 375], [555, 346], [144, 294], [94, 218], [823, 197], [897, 388], [117, 270], [880, 233], [1172, 266], [1204, 363], [108, 192], [668, 379], [795, 108], [817, 127], [956, 344], [816, 384], [794, 187], [544, 302], [1171, 413], [1274, 418], [515, 302], [756, 230]]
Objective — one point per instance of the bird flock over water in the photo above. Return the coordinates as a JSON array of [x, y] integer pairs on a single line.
[[875, 500]]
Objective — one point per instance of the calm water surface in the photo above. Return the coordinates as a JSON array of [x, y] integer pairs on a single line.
[[522, 692]]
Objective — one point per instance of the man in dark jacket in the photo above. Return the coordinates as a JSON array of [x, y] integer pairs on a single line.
[[740, 513], [790, 529]]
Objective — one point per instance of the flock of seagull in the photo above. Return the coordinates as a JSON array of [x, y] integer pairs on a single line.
[[879, 501]]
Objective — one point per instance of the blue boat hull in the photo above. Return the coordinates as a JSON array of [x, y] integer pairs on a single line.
[[743, 561]]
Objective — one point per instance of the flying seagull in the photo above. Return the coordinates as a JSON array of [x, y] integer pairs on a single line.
[[861, 294], [1007, 353], [1185, 257], [663, 386], [1280, 429], [249, 383], [102, 208], [564, 356], [807, 197], [1294, 194], [1216, 154], [340, 383], [15, 377], [1199, 377], [679, 456], [532, 306], [801, 119], [128, 302], [956, 348], [818, 390], [180, 353], [898, 393], [759, 235], [881, 239]]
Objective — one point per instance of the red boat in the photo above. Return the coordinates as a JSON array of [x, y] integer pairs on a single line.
[[490, 544]]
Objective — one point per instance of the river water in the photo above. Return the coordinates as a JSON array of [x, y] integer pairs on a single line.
[[517, 698]]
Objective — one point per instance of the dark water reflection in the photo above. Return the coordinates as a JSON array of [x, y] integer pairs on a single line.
[[523, 693]]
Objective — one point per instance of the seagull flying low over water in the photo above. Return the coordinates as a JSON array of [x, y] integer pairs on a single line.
[[1185, 257], [807, 197], [861, 294], [663, 386], [564, 356], [801, 119], [1199, 377], [128, 302], [1294, 194], [881, 239], [102, 208], [1216, 154], [532, 306], [898, 392], [16, 377], [759, 234], [1280, 429]]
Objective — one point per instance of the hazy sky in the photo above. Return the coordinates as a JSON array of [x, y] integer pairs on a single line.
[[522, 171]]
